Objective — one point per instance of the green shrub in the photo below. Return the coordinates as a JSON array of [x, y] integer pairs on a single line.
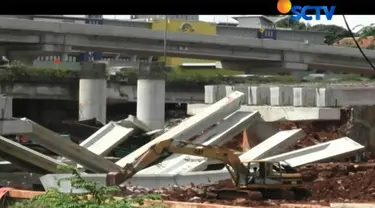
[[101, 197]]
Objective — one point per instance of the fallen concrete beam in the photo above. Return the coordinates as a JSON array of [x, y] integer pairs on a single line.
[[14, 127], [59, 145], [281, 113], [225, 131], [295, 158], [274, 145], [190, 127], [319, 152], [19, 154], [209, 133], [106, 138]]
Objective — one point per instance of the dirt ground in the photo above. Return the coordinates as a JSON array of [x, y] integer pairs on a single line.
[[327, 182]]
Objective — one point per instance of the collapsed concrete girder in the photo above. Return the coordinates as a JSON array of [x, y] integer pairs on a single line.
[[106, 138], [189, 128], [221, 134], [57, 144]]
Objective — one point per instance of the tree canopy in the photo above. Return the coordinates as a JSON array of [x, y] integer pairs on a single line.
[[335, 32]]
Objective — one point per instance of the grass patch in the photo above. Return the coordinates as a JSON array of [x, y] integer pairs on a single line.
[[184, 79]]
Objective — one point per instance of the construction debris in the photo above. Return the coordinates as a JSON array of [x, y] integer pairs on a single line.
[[299, 144]]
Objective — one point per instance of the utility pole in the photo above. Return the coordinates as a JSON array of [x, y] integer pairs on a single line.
[[165, 39]]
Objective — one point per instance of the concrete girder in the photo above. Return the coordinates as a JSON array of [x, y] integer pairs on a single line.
[[140, 33], [218, 135], [323, 151], [102, 38], [319, 152], [188, 128], [275, 144], [106, 138], [57, 144], [24, 156]]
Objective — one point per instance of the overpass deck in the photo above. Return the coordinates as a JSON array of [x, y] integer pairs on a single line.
[[260, 53]]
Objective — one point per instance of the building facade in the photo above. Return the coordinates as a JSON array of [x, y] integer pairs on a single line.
[[195, 27]]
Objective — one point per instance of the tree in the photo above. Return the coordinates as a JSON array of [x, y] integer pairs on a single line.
[[334, 32], [294, 25]]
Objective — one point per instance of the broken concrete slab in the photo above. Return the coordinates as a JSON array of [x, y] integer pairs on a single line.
[[225, 131], [63, 147], [193, 125], [107, 138], [19, 154], [281, 113]]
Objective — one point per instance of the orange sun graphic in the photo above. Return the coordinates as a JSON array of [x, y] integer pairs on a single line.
[[284, 6]]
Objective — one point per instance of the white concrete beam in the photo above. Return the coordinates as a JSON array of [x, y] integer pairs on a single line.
[[193, 125], [28, 155], [224, 132], [320, 152], [281, 113], [106, 138], [66, 148], [324, 150], [274, 145]]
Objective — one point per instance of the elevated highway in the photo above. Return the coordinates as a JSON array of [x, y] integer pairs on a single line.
[[234, 52]]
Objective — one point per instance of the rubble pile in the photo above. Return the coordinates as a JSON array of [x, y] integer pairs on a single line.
[[340, 181], [328, 182], [198, 194], [316, 132]]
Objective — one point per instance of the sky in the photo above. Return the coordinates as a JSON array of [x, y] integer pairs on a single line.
[[353, 20]]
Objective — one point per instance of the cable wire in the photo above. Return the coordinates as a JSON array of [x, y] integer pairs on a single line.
[[356, 43]]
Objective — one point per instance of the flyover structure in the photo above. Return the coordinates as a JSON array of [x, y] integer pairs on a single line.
[[234, 52]]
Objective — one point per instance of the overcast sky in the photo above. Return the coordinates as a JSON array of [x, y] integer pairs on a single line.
[[353, 20]]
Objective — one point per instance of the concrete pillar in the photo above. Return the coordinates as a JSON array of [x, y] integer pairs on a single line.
[[151, 95], [93, 92], [64, 57]]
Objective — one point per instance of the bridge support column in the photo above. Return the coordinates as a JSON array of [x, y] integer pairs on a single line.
[[151, 95], [93, 92]]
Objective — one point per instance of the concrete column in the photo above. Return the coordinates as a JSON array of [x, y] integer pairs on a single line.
[[64, 57], [93, 92], [151, 95]]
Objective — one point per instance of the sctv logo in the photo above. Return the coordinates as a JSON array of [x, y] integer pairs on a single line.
[[285, 6]]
